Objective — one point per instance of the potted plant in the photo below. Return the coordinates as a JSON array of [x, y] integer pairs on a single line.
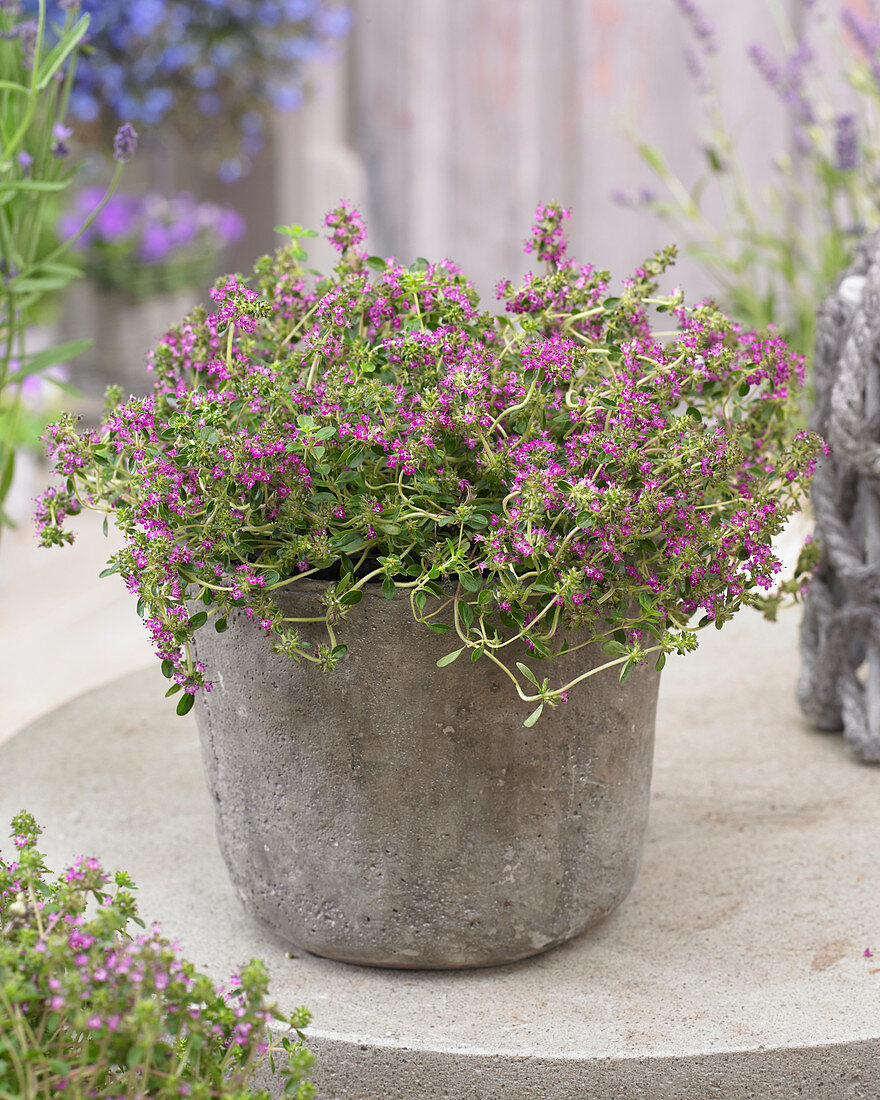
[[147, 259], [368, 477], [208, 73]]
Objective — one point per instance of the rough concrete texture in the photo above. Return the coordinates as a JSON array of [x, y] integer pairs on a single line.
[[734, 969], [394, 813]]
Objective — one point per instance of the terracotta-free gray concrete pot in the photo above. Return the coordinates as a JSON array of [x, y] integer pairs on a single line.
[[393, 813]]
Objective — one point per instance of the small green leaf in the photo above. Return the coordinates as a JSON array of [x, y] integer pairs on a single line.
[[339, 651], [534, 716], [109, 571], [388, 588], [60, 52], [466, 613], [197, 620], [295, 231], [469, 582], [449, 658], [661, 661], [173, 690], [221, 624], [694, 413], [439, 628], [105, 527], [527, 672], [614, 649], [376, 263], [626, 670], [141, 607], [167, 669], [186, 704], [36, 363]]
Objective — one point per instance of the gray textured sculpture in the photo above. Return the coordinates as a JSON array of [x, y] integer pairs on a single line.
[[841, 625]]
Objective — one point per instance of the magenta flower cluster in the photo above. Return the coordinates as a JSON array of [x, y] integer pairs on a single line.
[[89, 1007], [560, 473]]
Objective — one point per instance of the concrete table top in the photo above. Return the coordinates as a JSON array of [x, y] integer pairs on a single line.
[[735, 969]]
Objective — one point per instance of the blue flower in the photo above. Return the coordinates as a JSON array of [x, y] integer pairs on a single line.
[[178, 62], [204, 77], [230, 170], [332, 22], [288, 98], [83, 105]]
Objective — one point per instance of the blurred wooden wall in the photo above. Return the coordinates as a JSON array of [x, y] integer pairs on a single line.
[[447, 121]]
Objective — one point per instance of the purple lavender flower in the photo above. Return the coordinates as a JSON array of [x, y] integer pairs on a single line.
[[702, 29], [788, 81], [27, 35], [865, 31], [846, 142], [61, 133], [25, 162], [125, 143], [642, 197], [697, 71], [765, 64]]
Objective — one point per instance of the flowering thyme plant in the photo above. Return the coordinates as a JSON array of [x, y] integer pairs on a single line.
[[89, 1007], [779, 248], [558, 468], [144, 245]]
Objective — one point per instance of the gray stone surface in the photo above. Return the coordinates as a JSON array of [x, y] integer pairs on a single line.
[[394, 813], [733, 970]]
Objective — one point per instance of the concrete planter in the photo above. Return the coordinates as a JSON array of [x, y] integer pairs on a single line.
[[392, 813]]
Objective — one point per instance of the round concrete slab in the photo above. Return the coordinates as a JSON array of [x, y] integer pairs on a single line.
[[735, 969]]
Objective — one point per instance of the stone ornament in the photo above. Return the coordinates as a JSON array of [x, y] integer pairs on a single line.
[[840, 631]]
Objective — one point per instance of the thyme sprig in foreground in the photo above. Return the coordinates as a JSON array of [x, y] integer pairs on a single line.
[[557, 469], [91, 1006]]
